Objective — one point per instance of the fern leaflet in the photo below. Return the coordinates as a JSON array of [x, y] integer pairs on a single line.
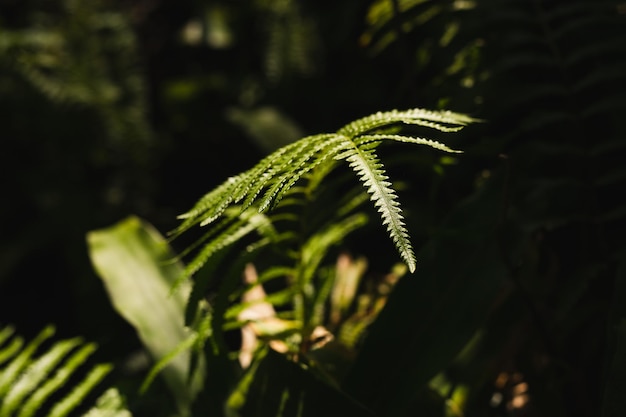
[[365, 163]]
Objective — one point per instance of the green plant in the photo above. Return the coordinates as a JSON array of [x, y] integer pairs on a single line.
[[31, 377], [134, 262], [307, 301], [237, 206], [288, 181], [355, 143], [556, 222], [518, 244]]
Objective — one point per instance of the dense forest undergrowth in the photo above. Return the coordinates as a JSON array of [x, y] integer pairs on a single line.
[[294, 290]]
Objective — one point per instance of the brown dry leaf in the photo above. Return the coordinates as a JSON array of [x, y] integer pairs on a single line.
[[261, 319]]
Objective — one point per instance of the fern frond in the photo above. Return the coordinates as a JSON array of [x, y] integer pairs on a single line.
[[264, 185], [36, 373], [12, 349], [248, 185], [12, 371], [440, 120], [406, 139], [248, 221], [110, 404], [272, 165], [367, 166], [74, 399], [210, 206], [27, 380], [314, 250], [324, 146]]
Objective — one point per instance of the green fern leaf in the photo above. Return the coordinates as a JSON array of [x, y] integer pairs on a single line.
[[268, 182], [54, 382]]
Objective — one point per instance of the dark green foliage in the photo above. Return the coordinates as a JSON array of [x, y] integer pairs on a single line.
[[277, 387], [285, 182], [428, 320], [548, 80], [84, 55], [615, 367], [515, 307]]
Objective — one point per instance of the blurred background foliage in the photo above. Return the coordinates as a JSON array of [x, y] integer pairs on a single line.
[[115, 107]]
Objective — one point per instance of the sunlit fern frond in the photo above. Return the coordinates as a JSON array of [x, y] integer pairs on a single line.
[[371, 173], [445, 121], [31, 375], [264, 185]]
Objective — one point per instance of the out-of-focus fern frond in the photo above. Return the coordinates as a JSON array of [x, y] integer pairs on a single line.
[[292, 42], [567, 90], [84, 55], [31, 374], [386, 20]]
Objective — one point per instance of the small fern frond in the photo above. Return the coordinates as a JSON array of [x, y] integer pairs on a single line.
[[367, 166]]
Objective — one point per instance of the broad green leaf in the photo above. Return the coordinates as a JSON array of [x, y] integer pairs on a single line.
[[137, 268]]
